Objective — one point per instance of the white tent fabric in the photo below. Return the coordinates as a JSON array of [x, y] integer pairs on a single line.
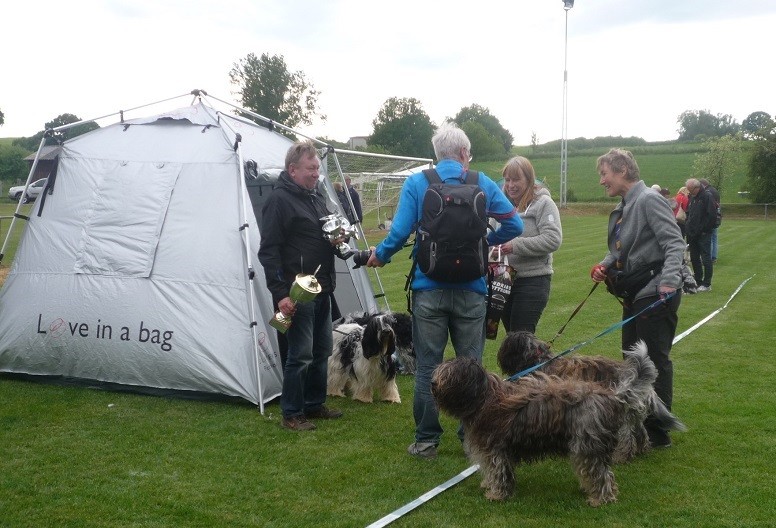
[[135, 269]]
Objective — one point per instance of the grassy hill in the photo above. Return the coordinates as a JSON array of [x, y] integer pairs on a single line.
[[658, 165]]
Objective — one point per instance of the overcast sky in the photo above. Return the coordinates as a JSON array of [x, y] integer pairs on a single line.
[[633, 65]]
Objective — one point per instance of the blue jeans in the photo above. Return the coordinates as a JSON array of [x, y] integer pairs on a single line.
[[309, 347], [714, 243], [437, 314], [526, 302]]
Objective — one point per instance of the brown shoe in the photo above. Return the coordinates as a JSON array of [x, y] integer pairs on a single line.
[[297, 423], [323, 413]]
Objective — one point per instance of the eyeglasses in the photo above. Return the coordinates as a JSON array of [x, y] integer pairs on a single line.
[[470, 158]]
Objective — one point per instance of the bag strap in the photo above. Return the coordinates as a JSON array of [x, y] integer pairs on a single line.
[[432, 176], [471, 177]]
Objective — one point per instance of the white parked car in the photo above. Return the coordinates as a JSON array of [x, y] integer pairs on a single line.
[[33, 191]]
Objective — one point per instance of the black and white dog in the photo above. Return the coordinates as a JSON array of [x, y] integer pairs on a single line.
[[402, 329], [362, 360]]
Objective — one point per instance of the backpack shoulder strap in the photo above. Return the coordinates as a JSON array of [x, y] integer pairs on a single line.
[[472, 178], [432, 176]]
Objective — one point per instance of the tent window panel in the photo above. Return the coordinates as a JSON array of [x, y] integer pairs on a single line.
[[124, 220]]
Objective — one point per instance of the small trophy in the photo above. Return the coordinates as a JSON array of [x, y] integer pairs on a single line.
[[304, 289], [336, 226]]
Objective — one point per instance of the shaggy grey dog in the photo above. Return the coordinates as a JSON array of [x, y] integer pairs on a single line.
[[509, 423], [522, 350]]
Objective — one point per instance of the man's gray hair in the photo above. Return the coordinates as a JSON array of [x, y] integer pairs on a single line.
[[300, 150], [448, 141]]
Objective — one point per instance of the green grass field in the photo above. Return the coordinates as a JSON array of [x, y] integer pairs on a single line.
[[666, 168], [72, 456]]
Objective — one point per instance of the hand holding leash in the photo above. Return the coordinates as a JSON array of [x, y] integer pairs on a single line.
[[598, 273]]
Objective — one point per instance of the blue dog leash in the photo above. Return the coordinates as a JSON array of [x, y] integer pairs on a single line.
[[619, 324]]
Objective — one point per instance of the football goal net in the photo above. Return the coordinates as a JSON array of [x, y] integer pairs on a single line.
[[378, 178]]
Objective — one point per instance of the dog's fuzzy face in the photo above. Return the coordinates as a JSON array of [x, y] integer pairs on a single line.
[[379, 339], [401, 323], [521, 350], [460, 387]]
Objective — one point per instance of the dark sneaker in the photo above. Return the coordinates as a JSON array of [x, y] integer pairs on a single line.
[[297, 423], [423, 450], [324, 413]]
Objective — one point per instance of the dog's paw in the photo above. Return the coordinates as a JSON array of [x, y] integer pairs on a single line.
[[363, 398], [595, 502], [392, 399], [494, 495]]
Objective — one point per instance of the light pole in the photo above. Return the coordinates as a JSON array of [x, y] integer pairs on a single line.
[[564, 141]]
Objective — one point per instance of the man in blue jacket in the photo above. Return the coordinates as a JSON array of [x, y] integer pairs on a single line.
[[442, 310]]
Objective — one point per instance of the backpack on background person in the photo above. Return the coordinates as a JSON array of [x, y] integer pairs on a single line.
[[451, 236]]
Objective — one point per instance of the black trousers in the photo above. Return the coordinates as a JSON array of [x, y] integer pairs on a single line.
[[657, 328], [700, 256], [526, 303]]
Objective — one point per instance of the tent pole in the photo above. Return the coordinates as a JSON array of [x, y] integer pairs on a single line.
[[250, 274], [119, 113], [247, 256], [19, 204]]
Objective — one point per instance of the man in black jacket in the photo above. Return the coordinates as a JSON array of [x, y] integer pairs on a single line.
[[293, 242], [701, 219]]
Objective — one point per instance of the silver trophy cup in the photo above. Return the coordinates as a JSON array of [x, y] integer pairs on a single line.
[[336, 226]]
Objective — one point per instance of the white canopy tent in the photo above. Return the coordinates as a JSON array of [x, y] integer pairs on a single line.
[[138, 264]]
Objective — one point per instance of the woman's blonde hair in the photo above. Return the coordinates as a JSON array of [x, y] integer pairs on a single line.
[[619, 161], [516, 166]]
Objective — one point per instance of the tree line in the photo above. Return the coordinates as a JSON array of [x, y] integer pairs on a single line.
[[265, 85]]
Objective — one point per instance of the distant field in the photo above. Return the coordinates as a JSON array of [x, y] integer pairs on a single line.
[[667, 169]]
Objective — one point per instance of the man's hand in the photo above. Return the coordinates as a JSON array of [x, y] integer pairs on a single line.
[[287, 307], [373, 261]]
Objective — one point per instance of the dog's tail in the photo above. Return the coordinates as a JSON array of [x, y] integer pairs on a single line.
[[637, 389], [665, 419]]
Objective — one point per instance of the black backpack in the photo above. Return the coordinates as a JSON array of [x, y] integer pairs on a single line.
[[451, 235]]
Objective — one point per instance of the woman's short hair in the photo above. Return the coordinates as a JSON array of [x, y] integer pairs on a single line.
[[299, 151], [620, 160], [448, 140]]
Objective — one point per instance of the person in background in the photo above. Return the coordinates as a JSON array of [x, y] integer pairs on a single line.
[[530, 254], [356, 199], [682, 201], [714, 232], [443, 311], [701, 218], [292, 242], [642, 230], [343, 200]]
